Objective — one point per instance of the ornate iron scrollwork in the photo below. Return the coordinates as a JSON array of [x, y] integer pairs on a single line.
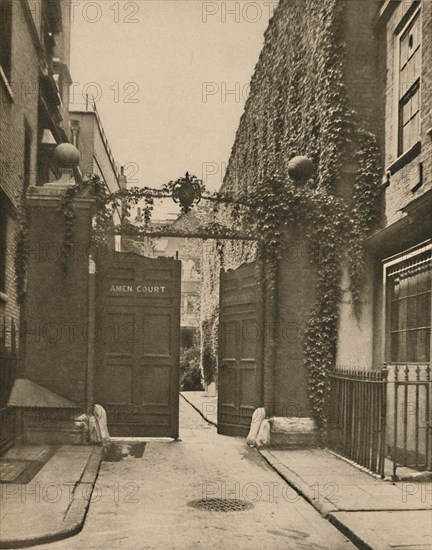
[[187, 192]]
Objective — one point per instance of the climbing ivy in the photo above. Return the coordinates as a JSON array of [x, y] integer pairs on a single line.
[[21, 250], [366, 210], [298, 106]]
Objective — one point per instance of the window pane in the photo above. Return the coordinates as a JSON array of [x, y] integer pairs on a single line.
[[6, 36], [415, 129], [404, 85], [403, 287], [415, 102], [406, 112], [395, 288], [414, 36], [394, 348], [412, 312], [403, 52], [424, 281], [394, 316], [423, 310], [423, 345], [417, 64], [402, 346], [411, 338]]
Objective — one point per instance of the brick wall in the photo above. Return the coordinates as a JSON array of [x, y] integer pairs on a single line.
[[21, 109], [16, 113], [10, 308], [19, 98], [401, 182]]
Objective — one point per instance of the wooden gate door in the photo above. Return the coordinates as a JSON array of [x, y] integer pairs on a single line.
[[138, 344], [240, 349]]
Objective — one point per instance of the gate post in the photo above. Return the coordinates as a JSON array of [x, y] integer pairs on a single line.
[[55, 330], [267, 276]]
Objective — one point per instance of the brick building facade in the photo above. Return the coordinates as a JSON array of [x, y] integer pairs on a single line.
[[34, 100]]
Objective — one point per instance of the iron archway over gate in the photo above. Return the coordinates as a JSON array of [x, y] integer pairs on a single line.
[[138, 344]]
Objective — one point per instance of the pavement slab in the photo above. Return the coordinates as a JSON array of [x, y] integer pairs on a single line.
[[53, 505], [144, 502], [374, 514], [398, 530], [344, 487]]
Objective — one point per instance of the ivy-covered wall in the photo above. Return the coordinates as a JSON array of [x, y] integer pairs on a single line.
[[311, 94]]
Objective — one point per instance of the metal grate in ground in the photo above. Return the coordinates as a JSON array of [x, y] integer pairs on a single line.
[[11, 470], [221, 505]]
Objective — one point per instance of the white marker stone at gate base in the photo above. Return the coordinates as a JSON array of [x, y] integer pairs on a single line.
[[257, 419], [264, 434], [95, 425], [102, 424]]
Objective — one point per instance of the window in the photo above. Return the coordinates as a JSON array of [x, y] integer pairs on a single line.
[[6, 37], [3, 246], [409, 309], [409, 85], [27, 157]]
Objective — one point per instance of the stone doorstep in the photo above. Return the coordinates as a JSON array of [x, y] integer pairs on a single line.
[[70, 521], [295, 440], [292, 433], [54, 433]]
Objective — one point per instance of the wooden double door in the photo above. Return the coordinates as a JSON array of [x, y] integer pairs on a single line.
[[137, 344], [241, 342]]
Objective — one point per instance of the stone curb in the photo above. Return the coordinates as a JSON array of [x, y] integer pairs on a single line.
[[297, 483], [75, 515], [360, 542], [327, 510], [212, 422]]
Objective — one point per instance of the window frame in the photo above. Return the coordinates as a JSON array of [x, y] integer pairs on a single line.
[[3, 246], [388, 263], [400, 101], [6, 70]]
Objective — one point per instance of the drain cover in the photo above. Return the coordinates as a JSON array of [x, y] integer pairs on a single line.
[[11, 469], [221, 505]]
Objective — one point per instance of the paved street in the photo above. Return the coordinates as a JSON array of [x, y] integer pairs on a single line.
[[143, 502]]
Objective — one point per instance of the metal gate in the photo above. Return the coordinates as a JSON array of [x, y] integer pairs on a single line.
[[241, 338], [137, 344]]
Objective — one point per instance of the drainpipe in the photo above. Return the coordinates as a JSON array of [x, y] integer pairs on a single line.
[[91, 336]]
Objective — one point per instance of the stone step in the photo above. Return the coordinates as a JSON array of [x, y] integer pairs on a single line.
[[54, 433], [293, 433]]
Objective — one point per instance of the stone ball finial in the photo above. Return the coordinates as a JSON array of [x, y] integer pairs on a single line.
[[300, 169], [66, 155]]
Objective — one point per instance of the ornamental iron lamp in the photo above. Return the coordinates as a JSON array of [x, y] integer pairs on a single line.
[[300, 169], [187, 192]]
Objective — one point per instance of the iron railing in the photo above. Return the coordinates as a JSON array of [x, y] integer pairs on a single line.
[[410, 424], [357, 417], [8, 372]]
